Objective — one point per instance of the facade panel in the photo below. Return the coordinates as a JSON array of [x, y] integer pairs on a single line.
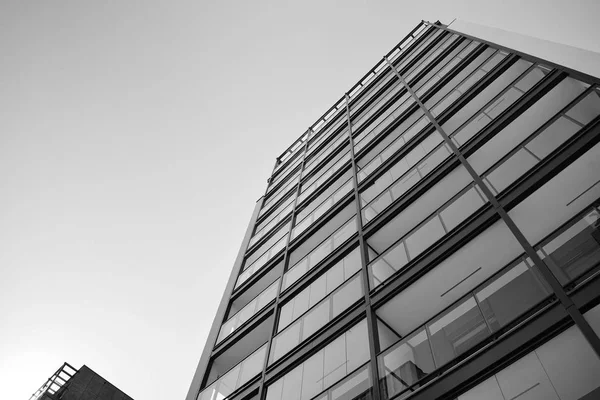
[[435, 234]]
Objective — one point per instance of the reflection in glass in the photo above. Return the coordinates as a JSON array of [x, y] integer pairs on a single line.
[[516, 290], [271, 201], [236, 377], [317, 317], [407, 363], [328, 367], [319, 253], [272, 220], [446, 218], [322, 208], [258, 264], [457, 331], [512, 293], [576, 250], [248, 311]]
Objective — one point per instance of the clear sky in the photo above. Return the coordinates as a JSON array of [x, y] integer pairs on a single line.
[[135, 138]]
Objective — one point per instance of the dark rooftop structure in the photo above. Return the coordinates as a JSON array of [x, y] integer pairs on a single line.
[[68, 383]]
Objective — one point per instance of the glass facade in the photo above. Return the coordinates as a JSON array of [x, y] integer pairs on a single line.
[[440, 219]]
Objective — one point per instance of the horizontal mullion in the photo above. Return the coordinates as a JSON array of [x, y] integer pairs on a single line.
[[471, 57], [551, 166], [477, 88], [232, 339], [243, 329], [316, 272], [436, 62], [434, 255], [411, 196], [509, 115], [309, 348], [387, 130], [323, 186]]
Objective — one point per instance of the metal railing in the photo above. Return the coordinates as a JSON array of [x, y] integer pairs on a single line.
[[55, 382]]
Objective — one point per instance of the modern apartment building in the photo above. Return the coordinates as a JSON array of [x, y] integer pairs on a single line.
[[69, 383], [434, 235]]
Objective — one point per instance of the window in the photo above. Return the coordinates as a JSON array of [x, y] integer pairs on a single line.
[[277, 195], [265, 226], [315, 181], [236, 377], [564, 368], [326, 368], [317, 317], [389, 145], [443, 68], [323, 154], [248, 311], [323, 203], [482, 98], [319, 253], [504, 298], [428, 232], [259, 251], [403, 175], [555, 203], [337, 274], [467, 76]]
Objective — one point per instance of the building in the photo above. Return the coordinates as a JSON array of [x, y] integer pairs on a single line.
[[434, 235], [68, 383]]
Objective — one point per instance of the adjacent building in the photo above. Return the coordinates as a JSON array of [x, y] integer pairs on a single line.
[[434, 235], [69, 383]]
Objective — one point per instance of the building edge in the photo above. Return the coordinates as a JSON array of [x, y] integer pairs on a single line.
[[194, 389]]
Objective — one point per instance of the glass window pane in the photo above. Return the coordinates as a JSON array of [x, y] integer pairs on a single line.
[[457, 331], [312, 381], [352, 263], [576, 250], [318, 289], [510, 295], [315, 319], [511, 169], [385, 267], [301, 303], [560, 199], [486, 95], [292, 384], [252, 366], [334, 277], [286, 315], [347, 295], [424, 237], [274, 391], [461, 208], [228, 382], [357, 346], [552, 137], [503, 102], [471, 129], [587, 109], [406, 363], [525, 124], [285, 341], [335, 361], [356, 386]]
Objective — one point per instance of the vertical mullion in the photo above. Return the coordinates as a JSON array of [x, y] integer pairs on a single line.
[[371, 322], [565, 300], [261, 388]]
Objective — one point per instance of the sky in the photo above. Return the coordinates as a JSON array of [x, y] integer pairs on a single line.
[[135, 139]]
